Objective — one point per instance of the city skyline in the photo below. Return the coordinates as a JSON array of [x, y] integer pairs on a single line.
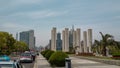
[[42, 15]]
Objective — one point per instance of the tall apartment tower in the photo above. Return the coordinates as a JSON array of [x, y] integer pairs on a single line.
[[66, 40], [63, 40], [53, 39], [71, 37], [29, 38], [89, 40], [85, 41], [74, 39], [17, 36], [78, 39]]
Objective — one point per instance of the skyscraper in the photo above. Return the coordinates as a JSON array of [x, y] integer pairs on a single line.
[[71, 39], [89, 39], [78, 39], [85, 41], [59, 42], [17, 36], [66, 40], [63, 40], [53, 39], [29, 38]]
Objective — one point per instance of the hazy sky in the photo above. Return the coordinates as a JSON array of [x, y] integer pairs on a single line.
[[42, 15]]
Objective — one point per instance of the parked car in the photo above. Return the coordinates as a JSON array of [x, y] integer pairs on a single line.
[[26, 57]]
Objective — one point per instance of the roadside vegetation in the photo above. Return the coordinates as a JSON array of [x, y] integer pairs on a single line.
[[107, 46], [8, 44], [56, 59]]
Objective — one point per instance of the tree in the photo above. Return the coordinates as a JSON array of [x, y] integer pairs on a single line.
[[20, 46], [6, 43], [105, 42]]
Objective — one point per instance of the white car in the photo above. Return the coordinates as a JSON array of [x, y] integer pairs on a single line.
[[5, 62], [26, 57]]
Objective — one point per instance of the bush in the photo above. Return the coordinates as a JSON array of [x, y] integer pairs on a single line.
[[85, 54], [116, 55], [69, 52], [58, 59], [44, 52], [48, 54]]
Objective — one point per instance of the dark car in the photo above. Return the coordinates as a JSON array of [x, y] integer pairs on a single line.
[[33, 55]]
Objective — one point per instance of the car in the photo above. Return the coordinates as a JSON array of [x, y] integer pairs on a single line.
[[26, 57], [5, 62], [33, 55]]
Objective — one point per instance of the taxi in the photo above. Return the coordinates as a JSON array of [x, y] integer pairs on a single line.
[[5, 62]]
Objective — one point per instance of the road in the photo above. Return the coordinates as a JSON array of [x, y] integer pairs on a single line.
[[25, 65], [28, 65]]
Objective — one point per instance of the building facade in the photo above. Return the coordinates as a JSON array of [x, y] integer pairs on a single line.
[[29, 38], [58, 42], [53, 39]]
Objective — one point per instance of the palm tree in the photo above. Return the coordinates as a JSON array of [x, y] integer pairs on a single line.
[[105, 42]]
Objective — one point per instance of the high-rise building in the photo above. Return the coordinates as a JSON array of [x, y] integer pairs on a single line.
[[66, 40], [63, 40], [59, 42], [78, 39], [89, 39], [74, 39], [85, 41], [71, 39], [29, 38], [17, 36], [53, 39]]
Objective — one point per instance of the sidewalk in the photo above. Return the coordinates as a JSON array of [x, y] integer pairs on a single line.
[[85, 63], [41, 62]]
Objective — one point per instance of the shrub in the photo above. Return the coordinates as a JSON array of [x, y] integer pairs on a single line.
[[85, 54], [69, 52], [48, 54], [44, 52], [58, 59], [116, 55]]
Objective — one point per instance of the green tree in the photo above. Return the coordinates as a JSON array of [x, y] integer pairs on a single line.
[[20, 46], [6, 43], [105, 42]]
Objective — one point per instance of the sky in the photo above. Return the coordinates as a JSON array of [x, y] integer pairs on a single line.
[[42, 15]]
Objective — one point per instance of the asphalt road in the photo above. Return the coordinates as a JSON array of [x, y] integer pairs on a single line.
[[25, 65], [28, 65]]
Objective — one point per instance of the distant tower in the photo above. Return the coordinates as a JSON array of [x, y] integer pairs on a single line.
[[17, 36], [89, 40], [78, 39], [85, 41], [74, 39], [53, 39], [66, 40], [71, 38], [63, 40], [59, 42]]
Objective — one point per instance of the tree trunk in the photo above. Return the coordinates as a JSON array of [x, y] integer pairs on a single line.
[[104, 50]]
